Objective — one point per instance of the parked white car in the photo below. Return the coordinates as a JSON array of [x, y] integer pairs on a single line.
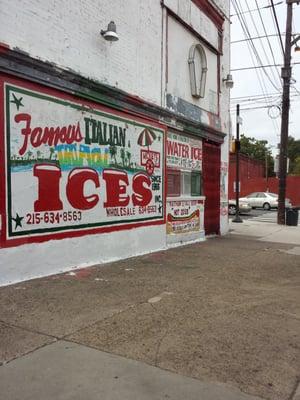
[[244, 207], [265, 200]]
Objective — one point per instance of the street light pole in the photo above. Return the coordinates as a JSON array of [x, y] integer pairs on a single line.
[[237, 217], [286, 74]]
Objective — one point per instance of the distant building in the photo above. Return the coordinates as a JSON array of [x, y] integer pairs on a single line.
[[110, 149]]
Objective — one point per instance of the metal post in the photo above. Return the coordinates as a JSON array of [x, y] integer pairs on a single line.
[[286, 73], [237, 217], [267, 172]]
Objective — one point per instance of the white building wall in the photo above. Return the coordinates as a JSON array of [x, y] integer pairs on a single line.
[[56, 256], [68, 34], [200, 22], [180, 41], [225, 115]]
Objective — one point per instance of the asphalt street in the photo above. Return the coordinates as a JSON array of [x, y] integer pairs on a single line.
[[260, 215]]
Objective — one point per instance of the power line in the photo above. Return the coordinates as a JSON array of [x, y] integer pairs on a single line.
[[270, 47], [261, 42], [277, 25], [252, 108], [255, 9], [261, 66], [255, 52], [245, 28], [250, 45], [258, 37], [256, 107], [258, 99], [253, 95]]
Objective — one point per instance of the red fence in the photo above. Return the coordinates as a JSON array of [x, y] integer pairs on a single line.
[[252, 179]]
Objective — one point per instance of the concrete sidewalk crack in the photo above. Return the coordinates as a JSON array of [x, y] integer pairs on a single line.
[[29, 330], [295, 389], [159, 346]]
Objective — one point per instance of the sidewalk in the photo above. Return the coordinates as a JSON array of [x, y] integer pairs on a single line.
[[215, 320], [67, 370], [267, 232]]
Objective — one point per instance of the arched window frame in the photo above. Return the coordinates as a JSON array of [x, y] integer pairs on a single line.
[[197, 88]]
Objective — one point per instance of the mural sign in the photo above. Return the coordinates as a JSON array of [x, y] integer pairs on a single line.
[[184, 152], [72, 167], [183, 216], [223, 182]]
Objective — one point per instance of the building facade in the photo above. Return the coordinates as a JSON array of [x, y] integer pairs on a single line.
[[110, 149]]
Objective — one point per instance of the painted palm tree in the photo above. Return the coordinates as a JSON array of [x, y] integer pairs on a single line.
[[52, 150], [113, 153], [122, 154], [128, 155], [38, 154], [29, 154]]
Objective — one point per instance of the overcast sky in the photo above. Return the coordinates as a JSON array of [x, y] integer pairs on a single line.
[[257, 123]]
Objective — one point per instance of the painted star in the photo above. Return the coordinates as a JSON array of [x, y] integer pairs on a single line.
[[17, 102], [17, 220]]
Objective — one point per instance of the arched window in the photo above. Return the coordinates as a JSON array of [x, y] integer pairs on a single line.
[[198, 69]]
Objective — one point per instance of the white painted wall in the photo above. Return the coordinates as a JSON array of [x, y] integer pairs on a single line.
[[190, 13], [56, 256], [67, 34], [180, 41], [225, 105]]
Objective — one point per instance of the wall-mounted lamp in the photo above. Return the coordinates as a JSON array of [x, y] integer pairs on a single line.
[[228, 81], [111, 33]]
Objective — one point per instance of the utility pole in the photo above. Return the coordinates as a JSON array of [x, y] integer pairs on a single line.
[[286, 74], [237, 217]]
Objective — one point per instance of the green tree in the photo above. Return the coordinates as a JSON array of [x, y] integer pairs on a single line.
[[296, 167], [258, 150], [294, 155]]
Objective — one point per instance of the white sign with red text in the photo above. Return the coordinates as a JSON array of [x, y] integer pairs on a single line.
[[184, 152], [71, 167]]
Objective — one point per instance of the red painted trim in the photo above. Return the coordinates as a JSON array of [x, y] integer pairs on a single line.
[[2, 166], [211, 12], [4, 241], [4, 47], [193, 31]]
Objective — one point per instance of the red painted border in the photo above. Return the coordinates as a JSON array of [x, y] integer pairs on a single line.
[[4, 241], [211, 12], [2, 167]]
